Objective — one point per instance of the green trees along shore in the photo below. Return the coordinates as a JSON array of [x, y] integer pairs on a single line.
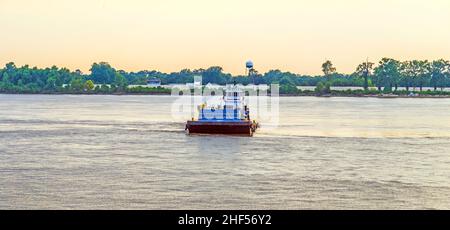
[[387, 76]]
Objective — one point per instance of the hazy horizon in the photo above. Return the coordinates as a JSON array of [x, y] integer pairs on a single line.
[[296, 36]]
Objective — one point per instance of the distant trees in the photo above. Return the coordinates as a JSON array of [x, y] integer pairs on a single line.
[[408, 74], [328, 69], [424, 74], [102, 73], [323, 88], [215, 75], [387, 74], [33, 80], [89, 85], [103, 78], [412, 74], [279, 77], [365, 70], [77, 84], [120, 82], [419, 74], [439, 72], [51, 82]]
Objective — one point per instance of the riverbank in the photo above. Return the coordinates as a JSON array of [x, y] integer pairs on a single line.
[[371, 93], [384, 96], [369, 96]]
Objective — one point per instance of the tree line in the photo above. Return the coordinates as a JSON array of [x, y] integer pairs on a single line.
[[388, 75]]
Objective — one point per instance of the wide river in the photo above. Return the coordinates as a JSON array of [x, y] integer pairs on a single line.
[[127, 152]]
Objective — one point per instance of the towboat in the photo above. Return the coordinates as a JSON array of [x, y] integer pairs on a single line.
[[230, 117]]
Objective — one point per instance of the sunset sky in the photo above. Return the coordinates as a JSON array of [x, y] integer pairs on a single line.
[[169, 35]]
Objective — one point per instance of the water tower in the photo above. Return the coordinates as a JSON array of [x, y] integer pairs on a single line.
[[249, 64], [250, 71], [249, 67]]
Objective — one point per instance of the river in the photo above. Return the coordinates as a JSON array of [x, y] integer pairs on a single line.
[[126, 152]]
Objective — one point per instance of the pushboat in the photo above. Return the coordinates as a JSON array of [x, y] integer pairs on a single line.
[[230, 117]]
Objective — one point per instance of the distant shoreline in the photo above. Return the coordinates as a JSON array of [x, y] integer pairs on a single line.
[[389, 96]]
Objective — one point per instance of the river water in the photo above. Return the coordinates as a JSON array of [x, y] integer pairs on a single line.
[[126, 152]]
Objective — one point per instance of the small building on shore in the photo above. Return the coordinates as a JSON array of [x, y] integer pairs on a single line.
[[154, 82]]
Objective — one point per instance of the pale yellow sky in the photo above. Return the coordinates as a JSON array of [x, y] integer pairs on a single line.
[[168, 35]]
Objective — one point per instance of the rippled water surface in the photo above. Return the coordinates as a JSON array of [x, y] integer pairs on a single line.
[[126, 152]]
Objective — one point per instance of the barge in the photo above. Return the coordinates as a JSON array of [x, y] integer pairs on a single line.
[[231, 117]]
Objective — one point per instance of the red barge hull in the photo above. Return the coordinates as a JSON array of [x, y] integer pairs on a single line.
[[245, 128]]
